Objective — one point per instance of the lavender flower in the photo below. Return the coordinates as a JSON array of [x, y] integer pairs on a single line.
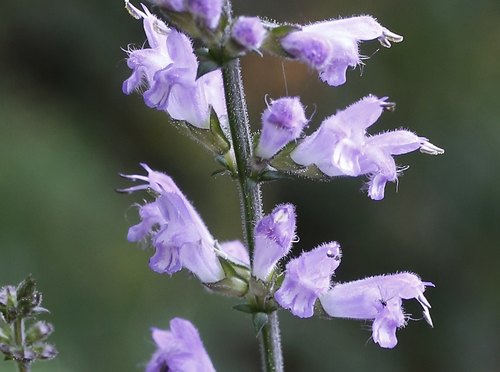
[[341, 146], [282, 122], [248, 32], [274, 234], [167, 73], [208, 11], [176, 230], [332, 46], [378, 298], [307, 278], [179, 349]]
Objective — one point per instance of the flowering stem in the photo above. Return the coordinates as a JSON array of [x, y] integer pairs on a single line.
[[250, 195], [19, 338], [250, 198]]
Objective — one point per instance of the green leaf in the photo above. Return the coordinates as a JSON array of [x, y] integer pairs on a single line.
[[272, 43], [231, 286], [220, 138], [246, 308]]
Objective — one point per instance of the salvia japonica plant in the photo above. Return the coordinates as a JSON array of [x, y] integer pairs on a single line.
[[201, 93], [22, 338]]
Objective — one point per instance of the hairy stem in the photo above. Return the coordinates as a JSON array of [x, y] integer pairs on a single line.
[[269, 342], [250, 195], [19, 338]]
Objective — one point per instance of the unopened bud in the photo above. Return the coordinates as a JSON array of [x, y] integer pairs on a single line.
[[282, 122]]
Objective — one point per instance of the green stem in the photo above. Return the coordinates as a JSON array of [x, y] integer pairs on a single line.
[[250, 195], [270, 342], [19, 338]]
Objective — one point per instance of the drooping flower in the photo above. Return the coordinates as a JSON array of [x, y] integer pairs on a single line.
[[274, 235], [307, 278], [176, 230], [378, 298], [248, 32], [282, 122], [167, 73], [179, 349], [332, 46], [341, 146]]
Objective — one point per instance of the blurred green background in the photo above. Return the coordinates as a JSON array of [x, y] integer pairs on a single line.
[[67, 130]]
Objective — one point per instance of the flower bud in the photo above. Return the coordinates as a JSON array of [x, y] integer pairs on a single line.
[[208, 11], [248, 32], [45, 351], [39, 331], [282, 122], [274, 234]]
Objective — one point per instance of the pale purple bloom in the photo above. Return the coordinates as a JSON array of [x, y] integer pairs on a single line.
[[378, 298], [274, 235], [179, 349], [332, 46], [236, 252], [282, 122], [248, 32], [167, 73], [341, 146], [176, 230], [307, 278], [209, 11]]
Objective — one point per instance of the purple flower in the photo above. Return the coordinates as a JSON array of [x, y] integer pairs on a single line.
[[332, 46], [378, 298], [209, 11], [341, 146], [167, 73], [282, 122], [236, 252], [248, 32], [179, 349], [176, 230], [274, 234], [307, 278]]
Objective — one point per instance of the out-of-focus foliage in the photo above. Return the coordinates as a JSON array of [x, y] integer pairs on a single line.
[[66, 130]]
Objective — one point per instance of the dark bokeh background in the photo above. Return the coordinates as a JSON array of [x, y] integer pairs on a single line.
[[67, 130]]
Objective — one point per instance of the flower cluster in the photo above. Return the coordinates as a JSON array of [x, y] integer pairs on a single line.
[[187, 85], [308, 278], [167, 71]]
